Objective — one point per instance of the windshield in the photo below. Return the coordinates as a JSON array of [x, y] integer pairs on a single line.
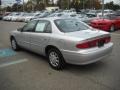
[[31, 14], [28, 14], [92, 11], [55, 15], [70, 25]]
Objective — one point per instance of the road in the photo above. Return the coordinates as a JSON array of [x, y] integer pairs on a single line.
[[25, 70]]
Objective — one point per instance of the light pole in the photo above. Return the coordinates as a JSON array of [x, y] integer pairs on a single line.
[[23, 6], [83, 4], [44, 1], [103, 6], [0, 7], [68, 4]]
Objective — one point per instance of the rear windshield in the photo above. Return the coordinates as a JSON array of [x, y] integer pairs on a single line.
[[70, 25]]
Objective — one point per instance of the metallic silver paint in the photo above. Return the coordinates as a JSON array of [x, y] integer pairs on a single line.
[[66, 43]]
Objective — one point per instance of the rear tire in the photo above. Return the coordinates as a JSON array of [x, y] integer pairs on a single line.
[[55, 59]]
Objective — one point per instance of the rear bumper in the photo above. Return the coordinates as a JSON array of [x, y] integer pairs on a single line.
[[83, 57]]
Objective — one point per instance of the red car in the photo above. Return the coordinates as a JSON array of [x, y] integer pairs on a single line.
[[107, 23]]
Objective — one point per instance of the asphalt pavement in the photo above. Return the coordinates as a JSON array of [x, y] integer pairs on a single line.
[[24, 70]]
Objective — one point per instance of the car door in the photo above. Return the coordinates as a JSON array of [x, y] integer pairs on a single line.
[[23, 37], [41, 36]]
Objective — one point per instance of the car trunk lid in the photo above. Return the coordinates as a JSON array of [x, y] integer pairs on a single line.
[[87, 34]]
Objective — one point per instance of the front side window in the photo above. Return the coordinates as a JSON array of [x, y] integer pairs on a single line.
[[29, 27], [70, 25]]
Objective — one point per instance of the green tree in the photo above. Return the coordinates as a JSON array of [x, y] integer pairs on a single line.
[[8, 9], [29, 6], [64, 4], [112, 6]]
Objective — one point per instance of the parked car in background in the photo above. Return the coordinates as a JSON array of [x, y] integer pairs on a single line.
[[6, 18], [15, 17], [63, 41], [9, 16], [117, 12], [41, 15], [69, 11], [22, 17], [107, 23], [56, 15], [106, 12], [92, 12], [30, 16]]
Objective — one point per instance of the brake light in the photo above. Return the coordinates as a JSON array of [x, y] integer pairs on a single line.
[[87, 44], [107, 39], [93, 43], [82, 46]]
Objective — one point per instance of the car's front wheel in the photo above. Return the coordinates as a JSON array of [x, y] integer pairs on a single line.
[[56, 59], [14, 44]]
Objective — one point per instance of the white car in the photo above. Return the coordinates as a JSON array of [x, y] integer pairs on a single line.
[[106, 12], [41, 15], [15, 17], [69, 12], [56, 15], [9, 17], [31, 16]]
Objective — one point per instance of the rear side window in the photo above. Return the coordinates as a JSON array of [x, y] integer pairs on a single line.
[[43, 27]]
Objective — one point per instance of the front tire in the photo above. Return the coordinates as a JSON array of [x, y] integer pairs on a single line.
[[14, 44], [55, 59]]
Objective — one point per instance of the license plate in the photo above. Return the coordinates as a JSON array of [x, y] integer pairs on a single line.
[[101, 43]]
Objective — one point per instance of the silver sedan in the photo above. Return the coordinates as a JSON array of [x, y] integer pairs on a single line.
[[63, 41]]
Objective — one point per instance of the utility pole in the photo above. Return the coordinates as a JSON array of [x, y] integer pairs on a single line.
[[44, 2], [0, 6], [83, 4], [103, 6], [61, 1], [17, 7], [23, 6], [68, 4]]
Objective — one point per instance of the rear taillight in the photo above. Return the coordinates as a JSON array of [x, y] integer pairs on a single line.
[[93, 43], [107, 39], [87, 44]]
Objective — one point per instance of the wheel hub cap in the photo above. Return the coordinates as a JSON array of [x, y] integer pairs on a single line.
[[54, 59]]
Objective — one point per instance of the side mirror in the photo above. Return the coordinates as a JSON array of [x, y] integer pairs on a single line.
[[19, 29]]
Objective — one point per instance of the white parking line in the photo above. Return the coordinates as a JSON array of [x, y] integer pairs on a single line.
[[13, 63]]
